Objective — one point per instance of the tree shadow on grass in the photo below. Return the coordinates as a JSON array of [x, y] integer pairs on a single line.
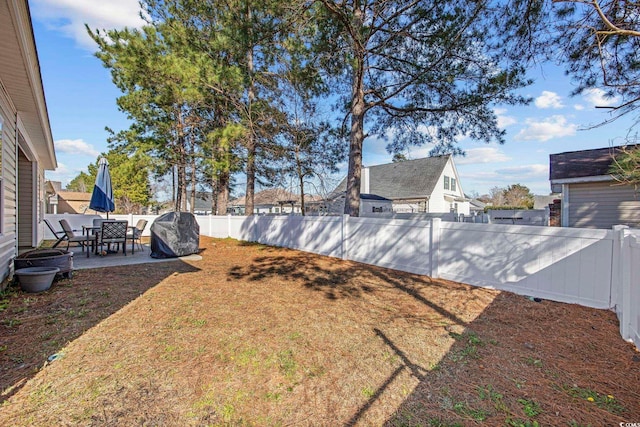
[[35, 327], [334, 281], [516, 363], [341, 279]]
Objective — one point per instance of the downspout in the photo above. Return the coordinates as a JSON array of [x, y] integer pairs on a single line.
[[564, 206], [17, 141]]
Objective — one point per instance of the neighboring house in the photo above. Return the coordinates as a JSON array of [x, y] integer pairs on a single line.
[[73, 202], [26, 144], [429, 185], [203, 203], [271, 201], [476, 207], [371, 205], [591, 198], [61, 201]]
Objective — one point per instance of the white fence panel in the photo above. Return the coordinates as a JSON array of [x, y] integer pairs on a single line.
[[241, 228], [272, 230], [204, 222], [398, 244], [320, 235], [634, 314], [567, 265], [214, 226], [629, 309]]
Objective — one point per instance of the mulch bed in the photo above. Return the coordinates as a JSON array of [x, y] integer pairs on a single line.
[[255, 335]]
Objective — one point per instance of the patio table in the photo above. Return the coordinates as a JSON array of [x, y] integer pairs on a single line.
[[94, 229]]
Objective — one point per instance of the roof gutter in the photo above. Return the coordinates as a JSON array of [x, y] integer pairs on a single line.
[[579, 180]]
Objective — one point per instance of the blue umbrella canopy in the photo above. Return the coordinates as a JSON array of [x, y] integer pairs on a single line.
[[102, 197]]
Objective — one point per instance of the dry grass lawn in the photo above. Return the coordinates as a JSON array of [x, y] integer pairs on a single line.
[[255, 335]]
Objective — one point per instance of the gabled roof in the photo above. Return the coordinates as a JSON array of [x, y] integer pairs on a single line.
[[582, 164], [74, 195], [475, 203], [404, 180]]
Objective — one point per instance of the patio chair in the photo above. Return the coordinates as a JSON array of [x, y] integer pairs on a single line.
[[113, 232], [60, 235], [136, 234], [72, 237]]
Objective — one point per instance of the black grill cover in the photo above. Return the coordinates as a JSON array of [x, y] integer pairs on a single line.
[[174, 234]]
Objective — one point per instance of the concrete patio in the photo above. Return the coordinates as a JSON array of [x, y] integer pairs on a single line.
[[80, 260]]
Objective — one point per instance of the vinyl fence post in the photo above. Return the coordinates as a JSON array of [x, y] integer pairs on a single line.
[[255, 235], [345, 237], [618, 267], [625, 285], [228, 225], [434, 247]]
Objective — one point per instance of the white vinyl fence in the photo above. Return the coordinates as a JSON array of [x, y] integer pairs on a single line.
[[591, 267]]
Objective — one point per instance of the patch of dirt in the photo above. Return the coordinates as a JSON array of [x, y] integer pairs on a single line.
[[258, 335]]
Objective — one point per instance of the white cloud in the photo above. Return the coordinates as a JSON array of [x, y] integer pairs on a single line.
[[504, 120], [419, 152], [70, 16], [546, 129], [578, 107], [375, 145], [596, 97], [548, 100], [482, 155], [76, 146], [63, 173]]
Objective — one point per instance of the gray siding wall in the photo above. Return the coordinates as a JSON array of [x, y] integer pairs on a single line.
[[603, 205], [8, 170]]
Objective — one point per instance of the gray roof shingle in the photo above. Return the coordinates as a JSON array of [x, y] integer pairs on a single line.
[[404, 180], [583, 163]]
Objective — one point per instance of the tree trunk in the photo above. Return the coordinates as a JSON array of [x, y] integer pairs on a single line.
[[251, 178], [251, 137], [300, 178], [222, 198], [174, 189], [356, 137], [193, 197]]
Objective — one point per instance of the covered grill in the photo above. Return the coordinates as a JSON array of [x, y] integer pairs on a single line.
[[175, 234]]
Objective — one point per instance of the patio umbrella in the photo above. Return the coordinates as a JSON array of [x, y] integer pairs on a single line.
[[102, 197]]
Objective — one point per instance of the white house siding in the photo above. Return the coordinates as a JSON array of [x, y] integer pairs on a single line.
[[602, 205], [8, 191], [375, 208], [438, 201]]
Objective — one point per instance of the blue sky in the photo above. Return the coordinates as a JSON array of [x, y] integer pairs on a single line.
[[81, 102]]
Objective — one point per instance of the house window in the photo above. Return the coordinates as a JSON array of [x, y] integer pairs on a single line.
[[277, 210], [453, 184], [446, 182]]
